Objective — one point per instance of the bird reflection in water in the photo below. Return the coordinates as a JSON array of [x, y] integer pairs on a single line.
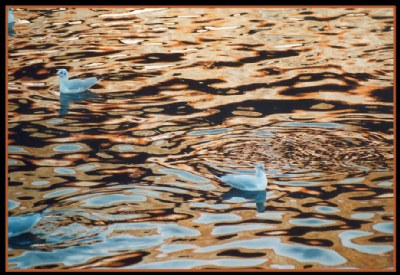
[[11, 29], [259, 197], [66, 99], [26, 241]]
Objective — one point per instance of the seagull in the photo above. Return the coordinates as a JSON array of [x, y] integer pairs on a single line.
[[247, 182], [75, 86], [10, 22], [10, 16], [18, 225]]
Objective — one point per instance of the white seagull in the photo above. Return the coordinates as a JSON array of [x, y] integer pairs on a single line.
[[74, 86], [10, 16], [246, 182], [18, 225]]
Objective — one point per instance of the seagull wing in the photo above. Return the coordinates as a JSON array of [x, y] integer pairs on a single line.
[[78, 85], [10, 17], [21, 224], [242, 182]]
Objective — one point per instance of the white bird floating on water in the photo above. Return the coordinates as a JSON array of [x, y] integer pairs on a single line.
[[18, 225], [246, 182], [10, 16], [75, 86]]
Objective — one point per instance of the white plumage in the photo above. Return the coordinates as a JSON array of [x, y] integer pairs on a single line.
[[10, 16], [247, 182], [18, 225], [75, 85]]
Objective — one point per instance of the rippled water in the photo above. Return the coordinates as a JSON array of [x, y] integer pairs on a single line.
[[122, 175]]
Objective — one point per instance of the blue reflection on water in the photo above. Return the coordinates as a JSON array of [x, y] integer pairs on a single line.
[[66, 99], [12, 161], [103, 200], [259, 197], [79, 254], [15, 149], [280, 266], [310, 222], [65, 171], [87, 167], [103, 243], [270, 215], [208, 205], [40, 182], [362, 216], [12, 204], [298, 183], [125, 148], [229, 229], [191, 263], [385, 227], [209, 132], [300, 253], [67, 147], [61, 192], [315, 124], [352, 180], [55, 120], [326, 209], [347, 236], [208, 218], [385, 183]]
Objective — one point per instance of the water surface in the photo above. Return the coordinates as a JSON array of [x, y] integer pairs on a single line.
[[125, 171]]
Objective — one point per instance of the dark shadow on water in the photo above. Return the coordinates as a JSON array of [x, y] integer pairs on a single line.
[[259, 197], [66, 99], [11, 29], [24, 241]]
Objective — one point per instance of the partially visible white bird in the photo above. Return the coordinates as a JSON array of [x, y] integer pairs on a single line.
[[18, 225], [75, 85], [10, 16], [247, 182]]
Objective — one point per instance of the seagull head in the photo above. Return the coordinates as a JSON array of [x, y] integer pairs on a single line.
[[10, 10], [259, 166], [62, 73]]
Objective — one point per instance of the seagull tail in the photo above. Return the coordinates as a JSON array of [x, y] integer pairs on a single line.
[[217, 174], [45, 210]]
